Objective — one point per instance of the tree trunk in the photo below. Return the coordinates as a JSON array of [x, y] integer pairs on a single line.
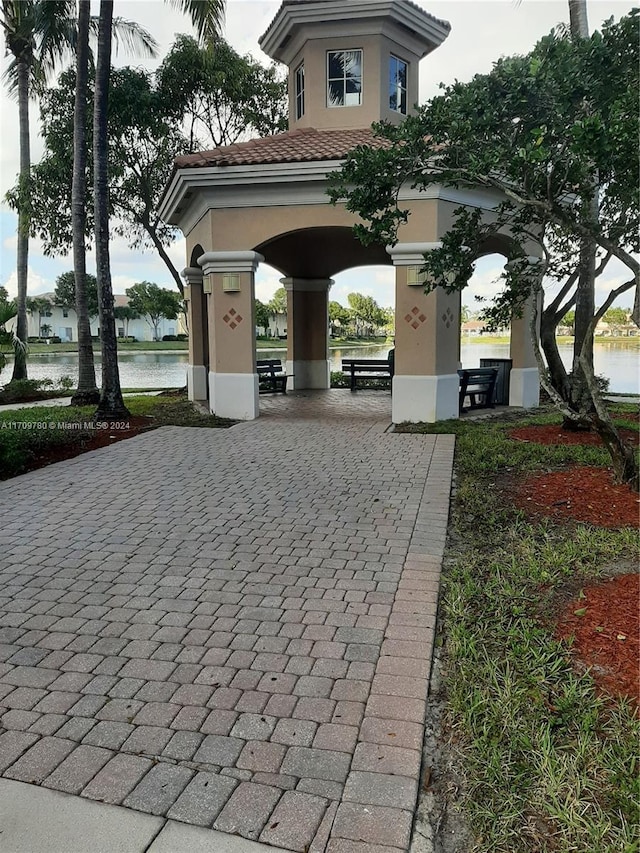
[[585, 296], [20, 360], [555, 365], [87, 392], [578, 21], [111, 405], [153, 233]]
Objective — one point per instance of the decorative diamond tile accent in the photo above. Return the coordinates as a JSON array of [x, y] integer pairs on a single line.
[[447, 318], [232, 319], [415, 318]]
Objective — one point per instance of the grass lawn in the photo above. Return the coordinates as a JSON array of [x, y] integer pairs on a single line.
[[183, 346], [547, 763], [124, 346]]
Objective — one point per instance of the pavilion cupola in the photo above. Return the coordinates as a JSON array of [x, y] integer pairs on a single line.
[[351, 62]]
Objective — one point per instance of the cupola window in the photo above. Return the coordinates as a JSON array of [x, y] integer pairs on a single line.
[[299, 90], [344, 78], [397, 85]]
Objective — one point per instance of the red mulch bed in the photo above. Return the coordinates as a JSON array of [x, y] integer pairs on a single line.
[[606, 626], [102, 437], [580, 493], [554, 434], [583, 494]]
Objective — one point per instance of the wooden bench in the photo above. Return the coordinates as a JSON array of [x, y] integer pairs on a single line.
[[367, 368], [271, 377], [479, 385]]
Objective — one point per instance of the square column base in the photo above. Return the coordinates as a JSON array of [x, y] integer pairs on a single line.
[[196, 382], [424, 399], [524, 390], [308, 374], [234, 395]]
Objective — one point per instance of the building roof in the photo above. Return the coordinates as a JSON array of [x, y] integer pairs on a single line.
[[305, 144], [286, 3], [278, 39]]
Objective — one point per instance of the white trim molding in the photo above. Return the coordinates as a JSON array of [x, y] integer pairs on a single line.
[[524, 388], [410, 254], [234, 395], [425, 399], [192, 275], [229, 262], [192, 191], [196, 382]]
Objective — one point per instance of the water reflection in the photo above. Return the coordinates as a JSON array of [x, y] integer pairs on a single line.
[[168, 369]]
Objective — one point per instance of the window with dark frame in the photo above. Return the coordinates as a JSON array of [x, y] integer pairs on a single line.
[[398, 85], [299, 90], [344, 78]]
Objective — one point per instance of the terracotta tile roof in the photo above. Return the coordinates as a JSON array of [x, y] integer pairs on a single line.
[[294, 146]]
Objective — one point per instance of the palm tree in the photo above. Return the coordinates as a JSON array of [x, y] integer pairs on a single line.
[[136, 39], [126, 314], [206, 16], [40, 305], [37, 35], [87, 391]]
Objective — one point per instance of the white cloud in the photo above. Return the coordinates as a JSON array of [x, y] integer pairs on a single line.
[[267, 282], [35, 284]]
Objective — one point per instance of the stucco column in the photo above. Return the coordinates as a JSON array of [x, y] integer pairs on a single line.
[[308, 332], [426, 382], [229, 281], [524, 388], [198, 334]]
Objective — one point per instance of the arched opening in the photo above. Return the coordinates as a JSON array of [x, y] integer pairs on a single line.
[[196, 254], [319, 252]]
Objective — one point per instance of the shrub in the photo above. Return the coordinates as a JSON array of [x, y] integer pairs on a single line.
[[169, 338], [339, 379], [182, 337], [66, 383], [25, 390]]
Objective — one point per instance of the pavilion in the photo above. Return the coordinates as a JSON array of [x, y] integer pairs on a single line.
[[350, 64]]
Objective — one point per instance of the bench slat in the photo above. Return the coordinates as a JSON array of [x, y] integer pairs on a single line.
[[366, 368], [478, 384], [271, 375]]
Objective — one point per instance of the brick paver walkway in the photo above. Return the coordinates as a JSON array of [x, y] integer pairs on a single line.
[[232, 628]]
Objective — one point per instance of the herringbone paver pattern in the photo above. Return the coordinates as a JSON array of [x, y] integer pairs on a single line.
[[231, 628]]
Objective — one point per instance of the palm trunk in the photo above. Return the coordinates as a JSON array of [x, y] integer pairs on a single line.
[[20, 361], [111, 405], [87, 392]]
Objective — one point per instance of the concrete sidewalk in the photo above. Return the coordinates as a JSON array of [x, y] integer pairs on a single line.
[[37, 820], [225, 628]]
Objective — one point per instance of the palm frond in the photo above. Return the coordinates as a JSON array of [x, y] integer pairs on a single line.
[[207, 16], [130, 36], [55, 32]]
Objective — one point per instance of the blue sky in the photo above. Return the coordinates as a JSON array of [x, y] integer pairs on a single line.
[[482, 31]]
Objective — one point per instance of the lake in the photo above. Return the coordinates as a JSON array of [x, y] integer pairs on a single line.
[[167, 369]]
